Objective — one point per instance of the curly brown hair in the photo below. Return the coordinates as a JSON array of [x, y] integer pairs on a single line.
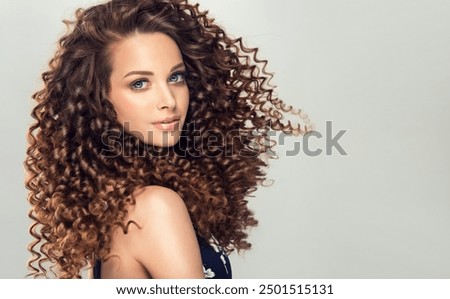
[[84, 167]]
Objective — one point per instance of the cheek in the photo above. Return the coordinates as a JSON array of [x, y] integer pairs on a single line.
[[126, 109], [184, 102], [123, 114]]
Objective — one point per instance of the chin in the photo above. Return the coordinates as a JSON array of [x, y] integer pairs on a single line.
[[164, 141]]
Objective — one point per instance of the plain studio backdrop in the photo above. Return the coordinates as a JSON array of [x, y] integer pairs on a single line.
[[377, 70]]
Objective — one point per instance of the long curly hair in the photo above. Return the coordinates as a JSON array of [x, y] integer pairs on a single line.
[[83, 167]]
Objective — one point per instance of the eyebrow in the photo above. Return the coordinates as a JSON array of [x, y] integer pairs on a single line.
[[149, 73]]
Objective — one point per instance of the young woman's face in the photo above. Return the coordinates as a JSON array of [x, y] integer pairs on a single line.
[[148, 88]]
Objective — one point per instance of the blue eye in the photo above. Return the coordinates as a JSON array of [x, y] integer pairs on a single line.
[[139, 84], [178, 77]]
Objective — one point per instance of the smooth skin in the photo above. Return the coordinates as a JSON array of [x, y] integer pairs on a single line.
[[164, 247], [147, 85]]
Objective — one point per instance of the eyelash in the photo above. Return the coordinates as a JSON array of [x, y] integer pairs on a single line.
[[133, 84], [183, 74]]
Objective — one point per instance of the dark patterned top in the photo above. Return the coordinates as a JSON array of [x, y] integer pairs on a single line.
[[216, 263]]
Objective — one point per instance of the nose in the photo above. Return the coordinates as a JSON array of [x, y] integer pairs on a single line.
[[166, 98]]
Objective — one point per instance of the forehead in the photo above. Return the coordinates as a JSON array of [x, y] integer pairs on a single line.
[[150, 51]]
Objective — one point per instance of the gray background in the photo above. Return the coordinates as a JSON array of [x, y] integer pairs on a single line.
[[379, 69]]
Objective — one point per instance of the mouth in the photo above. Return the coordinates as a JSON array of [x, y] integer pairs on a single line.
[[167, 125]]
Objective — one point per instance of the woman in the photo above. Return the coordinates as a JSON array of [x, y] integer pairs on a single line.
[[151, 131]]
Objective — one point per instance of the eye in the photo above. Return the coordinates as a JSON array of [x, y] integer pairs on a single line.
[[178, 77], [139, 84]]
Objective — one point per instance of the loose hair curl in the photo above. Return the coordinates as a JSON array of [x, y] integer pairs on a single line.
[[81, 176]]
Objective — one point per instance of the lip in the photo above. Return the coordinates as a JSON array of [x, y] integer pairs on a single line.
[[169, 119], [168, 123], [167, 126]]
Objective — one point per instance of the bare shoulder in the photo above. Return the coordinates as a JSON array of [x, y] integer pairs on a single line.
[[163, 241], [156, 201], [159, 209]]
